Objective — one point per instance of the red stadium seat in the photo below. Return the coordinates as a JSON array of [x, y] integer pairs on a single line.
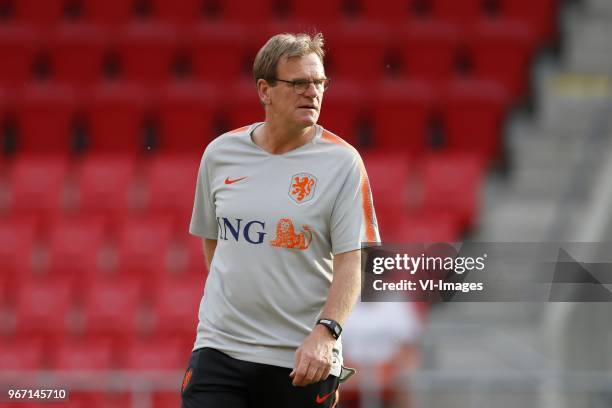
[[116, 114], [112, 307], [84, 355], [41, 14], [4, 291], [401, 114], [166, 399], [195, 270], [147, 52], [341, 110], [110, 13], [18, 47], [37, 183], [501, 51], [241, 105], [319, 11], [21, 355], [5, 103], [186, 112], [452, 184], [217, 51], [88, 399], [74, 246], [45, 114], [17, 240], [77, 53], [104, 184], [428, 50], [151, 354], [246, 12], [541, 16], [389, 192], [171, 186], [143, 246], [397, 11], [43, 307], [424, 227], [176, 307], [463, 13], [472, 115], [357, 50], [179, 12]]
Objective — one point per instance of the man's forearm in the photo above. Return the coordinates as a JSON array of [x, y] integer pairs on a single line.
[[345, 286]]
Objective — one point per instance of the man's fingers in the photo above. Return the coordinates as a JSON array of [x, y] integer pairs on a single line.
[[313, 374], [300, 373], [326, 371], [296, 362]]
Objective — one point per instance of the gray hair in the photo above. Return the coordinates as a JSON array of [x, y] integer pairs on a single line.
[[285, 45]]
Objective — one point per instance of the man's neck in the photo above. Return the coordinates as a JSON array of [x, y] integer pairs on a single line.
[[278, 140]]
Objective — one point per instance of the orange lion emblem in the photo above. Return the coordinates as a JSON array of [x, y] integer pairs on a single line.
[[302, 187], [286, 236]]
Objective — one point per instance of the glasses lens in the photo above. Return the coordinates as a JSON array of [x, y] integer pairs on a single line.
[[300, 86]]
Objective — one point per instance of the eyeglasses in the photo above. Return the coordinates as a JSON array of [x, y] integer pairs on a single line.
[[301, 85]]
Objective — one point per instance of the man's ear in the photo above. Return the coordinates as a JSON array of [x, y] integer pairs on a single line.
[[263, 90]]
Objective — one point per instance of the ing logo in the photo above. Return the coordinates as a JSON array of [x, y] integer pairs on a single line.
[[286, 237], [302, 187]]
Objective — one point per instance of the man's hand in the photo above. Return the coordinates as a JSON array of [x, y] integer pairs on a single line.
[[313, 359]]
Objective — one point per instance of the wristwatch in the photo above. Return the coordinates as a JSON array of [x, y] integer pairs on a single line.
[[333, 326]]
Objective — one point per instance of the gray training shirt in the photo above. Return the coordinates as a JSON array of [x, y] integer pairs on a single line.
[[278, 221]]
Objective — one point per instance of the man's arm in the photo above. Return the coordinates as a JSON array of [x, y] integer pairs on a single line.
[[209, 246], [313, 359]]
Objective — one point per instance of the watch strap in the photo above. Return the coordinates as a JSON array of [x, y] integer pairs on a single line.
[[333, 326]]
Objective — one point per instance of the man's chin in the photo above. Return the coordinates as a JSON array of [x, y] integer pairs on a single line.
[[307, 122]]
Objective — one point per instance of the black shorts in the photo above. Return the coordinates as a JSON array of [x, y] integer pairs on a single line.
[[216, 380]]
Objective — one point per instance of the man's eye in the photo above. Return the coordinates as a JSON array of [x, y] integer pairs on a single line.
[[301, 83]]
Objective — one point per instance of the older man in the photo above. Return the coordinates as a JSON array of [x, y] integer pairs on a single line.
[[283, 207]]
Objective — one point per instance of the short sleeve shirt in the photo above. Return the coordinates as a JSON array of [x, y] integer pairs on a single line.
[[278, 221]]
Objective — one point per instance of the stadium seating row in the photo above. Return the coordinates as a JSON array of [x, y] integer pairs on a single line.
[[97, 354], [538, 14], [153, 54], [101, 184], [37, 185], [467, 115], [57, 308], [79, 250]]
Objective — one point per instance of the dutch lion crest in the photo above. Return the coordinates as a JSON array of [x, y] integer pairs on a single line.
[[302, 187]]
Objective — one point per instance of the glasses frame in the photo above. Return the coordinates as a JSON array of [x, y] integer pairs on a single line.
[[326, 82]]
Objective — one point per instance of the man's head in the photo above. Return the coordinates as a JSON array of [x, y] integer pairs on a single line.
[[290, 78]]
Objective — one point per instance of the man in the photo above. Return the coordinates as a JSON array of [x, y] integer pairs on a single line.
[[283, 207]]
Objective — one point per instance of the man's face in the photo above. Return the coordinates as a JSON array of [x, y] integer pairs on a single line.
[[286, 106]]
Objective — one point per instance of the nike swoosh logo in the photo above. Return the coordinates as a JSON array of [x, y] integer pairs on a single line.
[[228, 181], [321, 399]]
